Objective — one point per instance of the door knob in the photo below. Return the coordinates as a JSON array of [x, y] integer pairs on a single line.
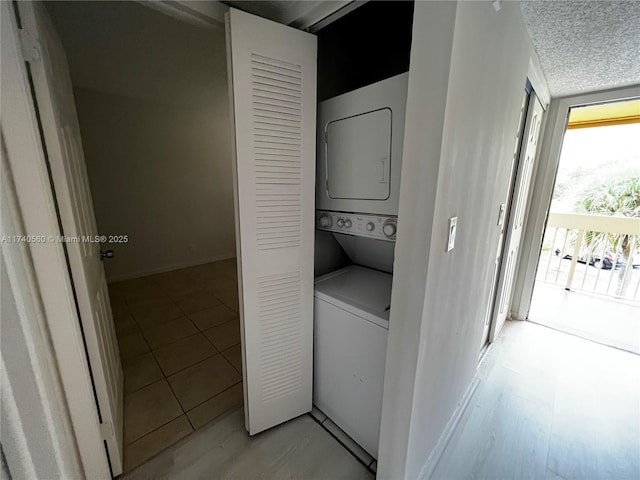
[[106, 254]]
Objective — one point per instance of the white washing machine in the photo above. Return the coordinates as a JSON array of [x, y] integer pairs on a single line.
[[351, 323]]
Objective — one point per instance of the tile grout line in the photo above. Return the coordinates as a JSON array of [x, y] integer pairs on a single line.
[[210, 308], [199, 332], [176, 340], [162, 371], [166, 379], [186, 315], [217, 394], [135, 320], [164, 376], [213, 396], [155, 429], [215, 326], [189, 366], [171, 301], [225, 357], [198, 363]]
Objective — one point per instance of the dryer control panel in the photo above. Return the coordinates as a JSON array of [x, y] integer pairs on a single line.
[[381, 227]]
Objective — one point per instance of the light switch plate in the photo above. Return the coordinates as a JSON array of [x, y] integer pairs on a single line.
[[453, 222]]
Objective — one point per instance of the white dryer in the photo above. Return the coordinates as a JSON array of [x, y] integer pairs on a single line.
[[351, 322], [360, 139]]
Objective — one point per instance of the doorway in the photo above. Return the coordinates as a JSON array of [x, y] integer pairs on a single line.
[[587, 280], [512, 215], [164, 315], [153, 109]]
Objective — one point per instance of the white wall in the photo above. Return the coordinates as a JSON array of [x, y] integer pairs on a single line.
[[162, 175], [152, 99], [439, 303], [26, 429], [426, 104]]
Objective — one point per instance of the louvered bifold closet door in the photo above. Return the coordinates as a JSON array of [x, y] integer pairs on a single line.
[[272, 75]]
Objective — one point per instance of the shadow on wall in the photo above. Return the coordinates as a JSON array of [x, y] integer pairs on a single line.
[[152, 102], [161, 176]]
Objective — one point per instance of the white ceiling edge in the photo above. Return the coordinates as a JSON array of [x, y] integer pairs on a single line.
[[304, 15], [322, 14], [300, 14], [538, 80], [324, 20], [203, 13]]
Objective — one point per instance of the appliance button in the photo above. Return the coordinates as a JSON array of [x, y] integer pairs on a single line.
[[347, 223], [340, 222], [371, 226]]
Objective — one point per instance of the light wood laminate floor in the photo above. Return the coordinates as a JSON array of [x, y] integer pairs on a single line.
[[298, 449], [549, 406]]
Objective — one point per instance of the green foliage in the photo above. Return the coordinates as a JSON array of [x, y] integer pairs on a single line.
[[618, 198]]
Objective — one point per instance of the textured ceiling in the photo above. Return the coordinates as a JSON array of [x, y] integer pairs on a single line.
[[585, 45]]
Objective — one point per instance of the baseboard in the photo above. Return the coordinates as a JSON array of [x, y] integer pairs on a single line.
[[169, 268], [445, 437]]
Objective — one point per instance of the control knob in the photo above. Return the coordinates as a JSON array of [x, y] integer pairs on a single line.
[[340, 222], [347, 223], [371, 226], [325, 220], [389, 228]]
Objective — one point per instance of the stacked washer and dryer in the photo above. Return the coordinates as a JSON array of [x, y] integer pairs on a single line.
[[360, 136]]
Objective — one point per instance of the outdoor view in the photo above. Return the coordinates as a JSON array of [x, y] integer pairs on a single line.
[[592, 242]]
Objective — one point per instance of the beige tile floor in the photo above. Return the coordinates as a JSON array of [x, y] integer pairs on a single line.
[[179, 338]]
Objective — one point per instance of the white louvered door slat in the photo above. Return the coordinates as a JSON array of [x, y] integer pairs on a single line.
[[272, 76], [56, 107]]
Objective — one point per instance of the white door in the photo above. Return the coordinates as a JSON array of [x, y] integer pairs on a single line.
[[518, 209], [272, 78], [502, 219], [63, 146]]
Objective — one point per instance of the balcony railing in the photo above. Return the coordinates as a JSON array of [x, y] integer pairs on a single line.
[[593, 253]]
